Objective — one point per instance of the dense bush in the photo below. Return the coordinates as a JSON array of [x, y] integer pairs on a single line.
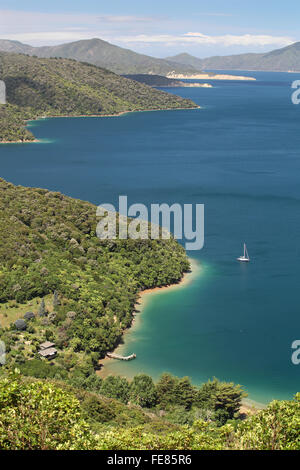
[[46, 236], [42, 370], [142, 391], [57, 87], [46, 415], [38, 415]]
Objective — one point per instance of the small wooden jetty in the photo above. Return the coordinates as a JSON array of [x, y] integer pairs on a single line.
[[121, 358]]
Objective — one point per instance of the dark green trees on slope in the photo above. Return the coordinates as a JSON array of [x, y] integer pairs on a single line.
[[12, 124], [49, 244], [59, 87]]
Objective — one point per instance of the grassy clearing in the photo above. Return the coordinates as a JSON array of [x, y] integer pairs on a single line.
[[11, 311]]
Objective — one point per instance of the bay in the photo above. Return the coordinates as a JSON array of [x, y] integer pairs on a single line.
[[240, 156]]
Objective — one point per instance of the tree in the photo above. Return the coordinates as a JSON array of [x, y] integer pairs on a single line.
[[40, 416], [223, 398], [49, 335], [42, 309], [229, 397], [165, 390], [56, 301], [142, 391], [97, 410], [115, 387], [184, 393], [275, 428]]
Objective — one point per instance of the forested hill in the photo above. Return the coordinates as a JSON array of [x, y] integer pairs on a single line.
[[279, 60], [155, 80], [49, 246], [59, 283], [101, 53], [57, 87]]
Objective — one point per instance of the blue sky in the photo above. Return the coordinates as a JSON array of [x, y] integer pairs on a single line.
[[158, 28]]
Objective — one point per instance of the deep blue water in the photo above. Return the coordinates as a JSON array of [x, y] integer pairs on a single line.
[[240, 156]]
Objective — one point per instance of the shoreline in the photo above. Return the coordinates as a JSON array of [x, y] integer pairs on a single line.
[[34, 141], [248, 406], [122, 113], [185, 85], [140, 305], [209, 76]]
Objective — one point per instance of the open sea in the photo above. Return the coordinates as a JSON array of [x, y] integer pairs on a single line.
[[240, 156]]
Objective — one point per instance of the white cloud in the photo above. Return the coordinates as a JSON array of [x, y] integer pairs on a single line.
[[202, 39], [139, 32], [127, 19], [49, 28], [48, 37]]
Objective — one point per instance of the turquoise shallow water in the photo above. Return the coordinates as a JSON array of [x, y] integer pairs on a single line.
[[240, 156]]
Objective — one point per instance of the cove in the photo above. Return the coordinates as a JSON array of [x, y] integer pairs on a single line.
[[240, 156]]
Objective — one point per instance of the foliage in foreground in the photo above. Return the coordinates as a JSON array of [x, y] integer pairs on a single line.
[[41, 415], [38, 415]]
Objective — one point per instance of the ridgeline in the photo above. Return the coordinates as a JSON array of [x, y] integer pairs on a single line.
[[101, 53], [63, 87]]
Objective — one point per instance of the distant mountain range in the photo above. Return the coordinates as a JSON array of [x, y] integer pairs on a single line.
[[279, 60], [124, 61], [100, 53], [187, 60]]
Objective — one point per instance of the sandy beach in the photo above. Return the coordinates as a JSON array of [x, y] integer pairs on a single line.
[[208, 76], [143, 299], [19, 141], [249, 407]]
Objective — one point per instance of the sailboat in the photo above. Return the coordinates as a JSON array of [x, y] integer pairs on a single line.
[[245, 258]]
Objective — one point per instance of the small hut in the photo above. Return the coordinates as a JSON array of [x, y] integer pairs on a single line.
[[46, 345], [49, 353], [47, 350]]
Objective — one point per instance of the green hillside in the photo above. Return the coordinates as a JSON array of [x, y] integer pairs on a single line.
[[57, 87], [47, 415], [52, 263], [100, 53], [155, 80], [12, 120], [125, 62], [279, 60]]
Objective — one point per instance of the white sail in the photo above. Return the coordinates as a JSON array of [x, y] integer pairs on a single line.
[[245, 257]]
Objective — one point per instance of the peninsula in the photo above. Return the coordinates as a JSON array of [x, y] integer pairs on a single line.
[[161, 81], [208, 76], [62, 254], [63, 87]]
